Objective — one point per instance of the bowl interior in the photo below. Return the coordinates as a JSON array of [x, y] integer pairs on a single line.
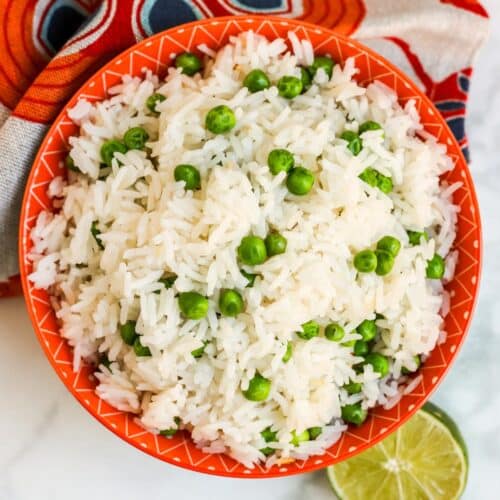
[[156, 54]]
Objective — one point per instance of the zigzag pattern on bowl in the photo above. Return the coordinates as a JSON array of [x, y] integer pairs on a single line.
[[156, 53]]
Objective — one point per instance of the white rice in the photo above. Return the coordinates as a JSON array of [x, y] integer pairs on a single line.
[[151, 225]]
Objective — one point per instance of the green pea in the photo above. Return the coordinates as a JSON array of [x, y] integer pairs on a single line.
[[135, 138], [370, 176], [289, 87], [104, 360], [167, 282], [361, 348], [280, 160], [305, 78], [415, 237], [173, 431], [389, 244], [139, 349], [407, 371], [299, 438], [300, 181], [256, 81], [385, 262], [353, 387], [128, 333], [198, 353], [168, 432], [288, 353], [190, 175], [334, 332], [109, 148], [369, 125], [435, 267], [231, 303], [322, 62], [354, 142], [384, 183], [367, 329], [310, 329], [96, 233], [359, 368], [354, 414], [267, 451], [252, 250], [375, 179], [314, 432], [258, 388], [275, 244], [220, 119], [153, 100], [69, 163], [379, 363], [250, 277], [349, 343], [189, 63], [193, 305], [269, 435], [365, 261]]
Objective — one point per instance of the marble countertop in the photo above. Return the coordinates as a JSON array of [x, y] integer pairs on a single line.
[[51, 449]]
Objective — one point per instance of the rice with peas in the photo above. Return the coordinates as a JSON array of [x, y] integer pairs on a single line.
[[116, 232]]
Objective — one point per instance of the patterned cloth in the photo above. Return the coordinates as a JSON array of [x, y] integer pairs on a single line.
[[50, 47]]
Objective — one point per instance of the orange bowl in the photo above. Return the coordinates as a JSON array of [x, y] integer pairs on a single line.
[[156, 53]]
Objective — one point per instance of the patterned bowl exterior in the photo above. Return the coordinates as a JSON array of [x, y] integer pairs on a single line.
[[156, 53]]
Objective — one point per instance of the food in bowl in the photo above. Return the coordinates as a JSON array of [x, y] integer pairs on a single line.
[[252, 250]]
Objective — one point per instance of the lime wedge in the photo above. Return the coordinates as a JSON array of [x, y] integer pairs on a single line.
[[425, 459]]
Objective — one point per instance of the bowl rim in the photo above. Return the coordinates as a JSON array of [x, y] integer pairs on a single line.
[[292, 23]]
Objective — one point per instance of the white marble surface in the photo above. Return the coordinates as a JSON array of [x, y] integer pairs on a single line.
[[50, 448]]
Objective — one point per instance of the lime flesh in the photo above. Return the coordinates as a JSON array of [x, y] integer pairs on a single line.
[[424, 459]]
